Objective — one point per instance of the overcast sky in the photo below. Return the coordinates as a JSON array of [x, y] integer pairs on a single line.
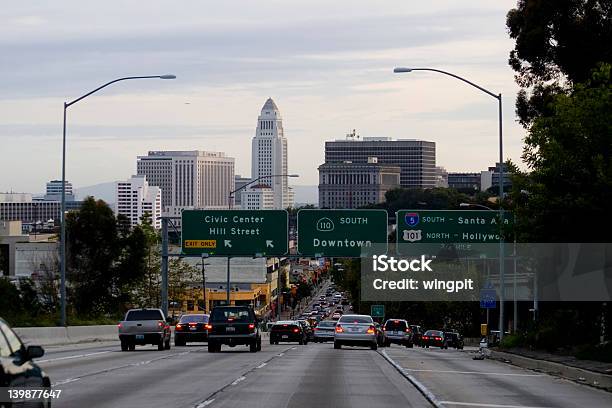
[[327, 64]]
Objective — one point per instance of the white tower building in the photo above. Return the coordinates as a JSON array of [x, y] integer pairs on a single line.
[[269, 154], [135, 198]]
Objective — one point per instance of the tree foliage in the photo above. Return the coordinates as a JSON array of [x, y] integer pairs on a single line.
[[569, 154], [105, 258], [557, 43]]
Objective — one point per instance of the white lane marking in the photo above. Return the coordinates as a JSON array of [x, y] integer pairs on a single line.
[[237, 380], [262, 365], [71, 357], [419, 385], [205, 403], [471, 372], [476, 404], [280, 354], [67, 381]]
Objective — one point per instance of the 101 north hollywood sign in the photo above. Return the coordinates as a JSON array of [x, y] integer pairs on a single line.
[[234, 232], [341, 233]]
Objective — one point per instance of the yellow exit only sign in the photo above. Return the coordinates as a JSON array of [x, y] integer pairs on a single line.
[[201, 243]]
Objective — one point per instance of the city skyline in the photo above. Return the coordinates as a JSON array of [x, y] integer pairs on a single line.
[[330, 75]]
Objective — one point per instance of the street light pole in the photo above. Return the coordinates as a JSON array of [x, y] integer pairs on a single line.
[[63, 202], [501, 179]]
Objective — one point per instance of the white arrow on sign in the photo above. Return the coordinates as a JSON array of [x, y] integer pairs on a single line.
[[269, 243], [227, 243]]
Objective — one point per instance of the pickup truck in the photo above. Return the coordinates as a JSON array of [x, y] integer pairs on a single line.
[[233, 325], [144, 326]]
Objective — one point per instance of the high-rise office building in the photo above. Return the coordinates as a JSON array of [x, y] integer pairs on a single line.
[[239, 182], [189, 179], [415, 158], [134, 198], [354, 185], [54, 191], [269, 154], [258, 197]]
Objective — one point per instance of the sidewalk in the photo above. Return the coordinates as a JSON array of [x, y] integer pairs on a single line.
[[596, 366]]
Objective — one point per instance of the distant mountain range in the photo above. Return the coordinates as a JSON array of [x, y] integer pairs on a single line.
[[106, 192]]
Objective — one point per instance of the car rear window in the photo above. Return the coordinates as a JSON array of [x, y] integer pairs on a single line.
[[231, 313], [144, 315], [194, 318], [326, 323], [433, 333], [356, 319], [395, 325]]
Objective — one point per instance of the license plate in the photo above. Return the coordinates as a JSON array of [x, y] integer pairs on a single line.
[[285, 337], [193, 328], [230, 329], [355, 329], [140, 337]]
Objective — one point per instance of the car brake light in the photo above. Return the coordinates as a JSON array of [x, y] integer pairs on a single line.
[[179, 327], [119, 325], [251, 326], [408, 330], [160, 324], [193, 324], [384, 329], [425, 337], [296, 330], [438, 338], [396, 321], [339, 329], [208, 326], [371, 330]]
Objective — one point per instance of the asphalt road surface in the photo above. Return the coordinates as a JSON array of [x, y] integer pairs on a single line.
[[285, 375]]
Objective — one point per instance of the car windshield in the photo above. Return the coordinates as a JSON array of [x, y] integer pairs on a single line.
[[134, 315], [194, 318], [230, 314], [356, 319]]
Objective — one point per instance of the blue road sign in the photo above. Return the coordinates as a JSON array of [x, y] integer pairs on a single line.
[[488, 299]]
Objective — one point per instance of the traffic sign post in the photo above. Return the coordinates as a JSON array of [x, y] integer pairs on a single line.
[[341, 233], [235, 232], [377, 311]]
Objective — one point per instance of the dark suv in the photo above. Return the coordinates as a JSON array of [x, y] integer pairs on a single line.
[[398, 331], [232, 326], [16, 366]]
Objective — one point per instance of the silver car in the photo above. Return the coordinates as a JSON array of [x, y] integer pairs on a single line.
[[324, 331], [355, 330]]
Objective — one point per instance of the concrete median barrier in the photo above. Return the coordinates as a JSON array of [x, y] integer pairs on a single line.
[[48, 336]]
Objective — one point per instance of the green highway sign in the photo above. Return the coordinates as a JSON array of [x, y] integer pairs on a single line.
[[341, 233], [377, 311], [234, 232], [448, 227]]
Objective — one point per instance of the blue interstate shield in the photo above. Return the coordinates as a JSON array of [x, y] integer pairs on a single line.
[[412, 219]]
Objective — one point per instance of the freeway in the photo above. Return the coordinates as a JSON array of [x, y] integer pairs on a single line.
[[289, 375], [279, 376]]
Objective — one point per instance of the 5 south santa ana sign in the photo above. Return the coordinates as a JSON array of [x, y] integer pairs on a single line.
[[235, 232]]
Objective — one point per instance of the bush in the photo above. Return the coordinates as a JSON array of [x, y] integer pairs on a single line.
[[513, 341]]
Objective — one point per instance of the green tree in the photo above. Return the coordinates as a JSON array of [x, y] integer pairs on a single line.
[[557, 43], [569, 154], [105, 259]]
